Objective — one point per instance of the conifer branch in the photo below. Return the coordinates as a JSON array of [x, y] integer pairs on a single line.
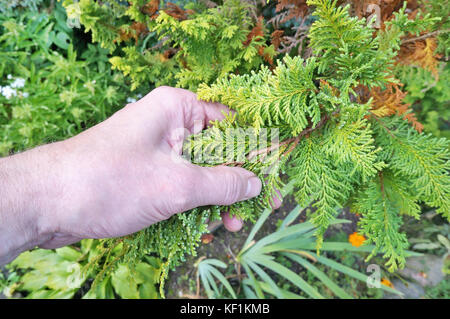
[[425, 36], [294, 140]]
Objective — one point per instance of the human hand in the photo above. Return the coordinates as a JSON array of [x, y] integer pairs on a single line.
[[126, 173]]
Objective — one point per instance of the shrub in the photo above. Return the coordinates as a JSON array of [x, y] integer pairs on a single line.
[[48, 92]]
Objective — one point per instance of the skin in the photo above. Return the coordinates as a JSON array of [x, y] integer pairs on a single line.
[[116, 178]]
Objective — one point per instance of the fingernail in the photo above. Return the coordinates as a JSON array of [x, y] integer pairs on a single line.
[[253, 187]]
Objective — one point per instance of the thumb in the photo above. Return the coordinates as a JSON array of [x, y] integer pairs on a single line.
[[223, 185]]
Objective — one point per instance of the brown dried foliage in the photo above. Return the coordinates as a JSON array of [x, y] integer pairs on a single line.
[[207, 238], [390, 101], [277, 38], [137, 29], [286, 10], [292, 9], [151, 9], [176, 12], [422, 54], [384, 8], [258, 31]]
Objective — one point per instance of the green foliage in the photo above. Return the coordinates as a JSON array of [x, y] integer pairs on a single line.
[[60, 274], [101, 19], [421, 159], [440, 9], [7, 6], [48, 92], [137, 66], [441, 291], [170, 239], [287, 97], [429, 96], [212, 44], [208, 273], [185, 52]]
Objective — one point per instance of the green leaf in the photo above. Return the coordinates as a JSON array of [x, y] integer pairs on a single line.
[[320, 275], [69, 253], [124, 284], [62, 40]]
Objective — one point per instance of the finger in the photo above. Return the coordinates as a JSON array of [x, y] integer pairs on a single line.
[[199, 114], [232, 224], [214, 111], [222, 185], [196, 114]]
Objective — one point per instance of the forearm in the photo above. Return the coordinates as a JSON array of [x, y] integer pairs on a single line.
[[27, 188]]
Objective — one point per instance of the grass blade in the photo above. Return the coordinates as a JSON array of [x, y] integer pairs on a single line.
[[338, 291]]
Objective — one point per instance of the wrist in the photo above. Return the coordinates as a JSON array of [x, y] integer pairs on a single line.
[[28, 187]]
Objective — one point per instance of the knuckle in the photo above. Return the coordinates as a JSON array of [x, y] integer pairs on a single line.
[[162, 89], [185, 190], [162, 92]]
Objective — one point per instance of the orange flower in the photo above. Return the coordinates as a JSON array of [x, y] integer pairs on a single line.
[[356, 239], [387, 283]]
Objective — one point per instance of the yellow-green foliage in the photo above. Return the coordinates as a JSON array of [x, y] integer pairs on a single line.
[[47, 274], [207, 46]]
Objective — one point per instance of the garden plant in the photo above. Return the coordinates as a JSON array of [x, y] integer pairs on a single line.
[[355, 92]]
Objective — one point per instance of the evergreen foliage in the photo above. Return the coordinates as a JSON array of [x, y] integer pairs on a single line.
[[185, 52], [49, 90]]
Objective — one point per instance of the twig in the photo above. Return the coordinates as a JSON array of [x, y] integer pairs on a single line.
[[160, 43], [209, 3], [381, 123], [425, 36], [294, 140]]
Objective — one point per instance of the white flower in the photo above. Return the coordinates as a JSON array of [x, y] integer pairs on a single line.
[[9, 77], [25, 94], [8, 92], [130, 100], [18, 83]]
